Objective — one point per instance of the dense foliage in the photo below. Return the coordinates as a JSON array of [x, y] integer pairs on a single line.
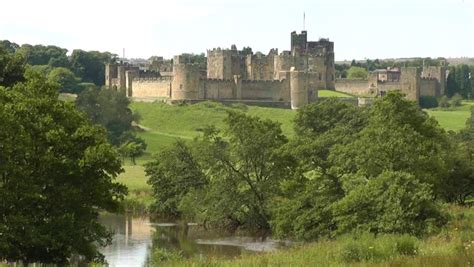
[[74, 73], [56, 174], [381, 169]]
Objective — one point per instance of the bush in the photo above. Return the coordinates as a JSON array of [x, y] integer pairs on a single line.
[[443, 102], [428, 102], [456, 100]]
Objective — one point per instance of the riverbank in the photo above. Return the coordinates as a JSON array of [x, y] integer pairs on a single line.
[[454, 246]]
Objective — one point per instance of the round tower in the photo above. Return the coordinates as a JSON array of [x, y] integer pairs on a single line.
[[298, 88], [185, 85]]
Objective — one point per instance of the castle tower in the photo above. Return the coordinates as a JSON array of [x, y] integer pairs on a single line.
[[110, 73], [438, 73], [298, 89], [185, 85], [410, 82], [298, 42], [129, 76]]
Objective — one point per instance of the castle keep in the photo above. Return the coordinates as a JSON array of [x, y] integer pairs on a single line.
[[291, 78]]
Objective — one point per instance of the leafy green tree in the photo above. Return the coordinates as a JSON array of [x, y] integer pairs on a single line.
[[133, 148], [56, 174], [357, 73], [109, 109], [393, 202], [245, 167], [399, 136], [44, 55], [90, 66], [173, 173], [452, 86], [12, 67], [462, 77], [9, 46], [65, 79]]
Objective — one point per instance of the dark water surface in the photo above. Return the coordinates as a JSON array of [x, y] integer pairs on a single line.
[[135, 238]]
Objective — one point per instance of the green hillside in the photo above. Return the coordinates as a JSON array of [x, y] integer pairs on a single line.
[[164, 123]]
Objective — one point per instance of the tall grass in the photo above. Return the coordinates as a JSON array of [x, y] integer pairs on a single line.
[[454, 246]]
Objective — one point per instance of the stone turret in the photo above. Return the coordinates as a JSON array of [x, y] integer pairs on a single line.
[[185, 85], [298, 89]]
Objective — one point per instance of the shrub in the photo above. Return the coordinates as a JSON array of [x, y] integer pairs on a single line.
[[428, 102], [456, 100], [443, 102]]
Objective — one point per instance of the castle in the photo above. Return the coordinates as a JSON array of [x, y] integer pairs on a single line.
[[291, 78], [429, 81], [287, 79]]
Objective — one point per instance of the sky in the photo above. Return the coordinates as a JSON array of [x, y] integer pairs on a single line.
[[360, 29]]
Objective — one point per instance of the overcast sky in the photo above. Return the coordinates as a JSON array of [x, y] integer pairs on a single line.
[[360, 29]]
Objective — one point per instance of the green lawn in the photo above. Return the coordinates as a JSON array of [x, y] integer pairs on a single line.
[[165, 123], [331, 93], [453, 118]]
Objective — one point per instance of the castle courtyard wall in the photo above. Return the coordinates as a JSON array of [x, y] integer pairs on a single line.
[[428, 87], [151, 88], [353, 86], [266, 90], [217, 89]]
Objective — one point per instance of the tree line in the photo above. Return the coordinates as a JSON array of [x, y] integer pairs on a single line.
[[73, 73], [386, 168]]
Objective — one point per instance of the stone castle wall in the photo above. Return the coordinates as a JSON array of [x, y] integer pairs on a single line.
[[266, 90], [151, 88], [428, 87], [216, 89], [353, 87]]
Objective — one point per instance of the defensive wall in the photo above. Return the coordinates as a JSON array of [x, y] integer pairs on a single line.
[[413, 82]]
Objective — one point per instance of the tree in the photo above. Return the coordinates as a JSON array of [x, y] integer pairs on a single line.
[[133, 148], [451, 85], [90, 66], [12, 67], [393, 202], [357, 73], [399, 136], [228, 178], [44, 55], [109, 109], [462, 77], [65, 80], [173, 173], [56, 174]]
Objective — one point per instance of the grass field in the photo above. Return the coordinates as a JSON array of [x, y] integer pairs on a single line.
[[331, 93], [453, 118]]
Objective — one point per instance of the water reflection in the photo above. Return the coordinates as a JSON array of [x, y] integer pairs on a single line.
[[135, 239]]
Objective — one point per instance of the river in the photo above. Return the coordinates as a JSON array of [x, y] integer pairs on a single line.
[[135, 238]]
